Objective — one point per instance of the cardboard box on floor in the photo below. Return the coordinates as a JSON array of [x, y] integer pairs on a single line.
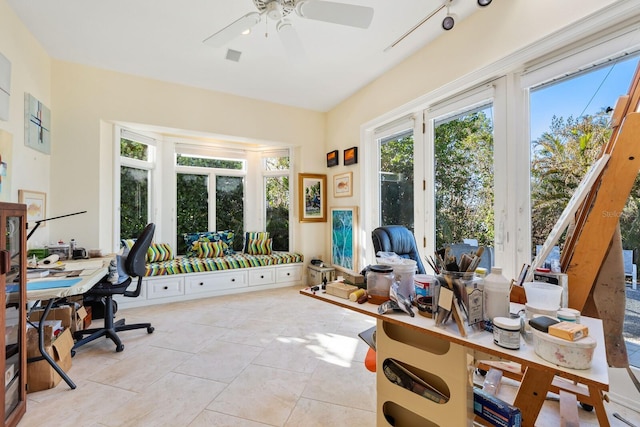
[[71, 317], [40, 374]]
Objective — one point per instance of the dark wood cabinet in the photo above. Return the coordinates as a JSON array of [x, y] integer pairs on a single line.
[[13, 262]]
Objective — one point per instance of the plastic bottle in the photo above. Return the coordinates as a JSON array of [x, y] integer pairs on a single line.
[[496, 294]]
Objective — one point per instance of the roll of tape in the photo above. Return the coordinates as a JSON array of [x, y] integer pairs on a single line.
[[51, 259], [355, 295]]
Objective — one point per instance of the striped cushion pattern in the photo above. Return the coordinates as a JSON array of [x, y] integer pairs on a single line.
[[210, 249], [159, 252], [253, 235], [228, 262], [259, 247]]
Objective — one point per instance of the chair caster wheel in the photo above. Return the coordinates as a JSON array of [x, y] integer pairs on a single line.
[[77, 336], [586, 407], [150, 329], [119, 348], [73, 353]]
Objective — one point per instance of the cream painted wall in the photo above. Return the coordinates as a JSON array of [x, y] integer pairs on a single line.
[[30, 73], [496, 32], [88, 99]]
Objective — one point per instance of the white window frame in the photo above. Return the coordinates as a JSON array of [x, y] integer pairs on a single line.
[[217, 153], [149, 165], [285, 152]]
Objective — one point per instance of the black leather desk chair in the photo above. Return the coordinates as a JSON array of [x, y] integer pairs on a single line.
[[398, 239], [134, 266]]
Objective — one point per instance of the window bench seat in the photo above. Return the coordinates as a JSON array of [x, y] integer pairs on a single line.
[[187, 278]]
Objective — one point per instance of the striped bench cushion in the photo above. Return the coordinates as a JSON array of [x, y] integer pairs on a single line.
[[229, 262]]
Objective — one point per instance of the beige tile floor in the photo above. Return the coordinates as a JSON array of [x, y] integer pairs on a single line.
[[269, 358]]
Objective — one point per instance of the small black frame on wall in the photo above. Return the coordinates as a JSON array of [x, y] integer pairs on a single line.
[[332, 158], [351, 156]]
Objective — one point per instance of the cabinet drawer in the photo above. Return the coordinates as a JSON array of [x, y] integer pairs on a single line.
[[289, 274], [261, 276], [162, 288], [216, 281]]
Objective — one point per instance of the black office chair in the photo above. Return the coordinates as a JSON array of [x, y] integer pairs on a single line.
[[398, 239], [134, 266]]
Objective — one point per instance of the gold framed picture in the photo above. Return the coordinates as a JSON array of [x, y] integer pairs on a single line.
[[312, 197]]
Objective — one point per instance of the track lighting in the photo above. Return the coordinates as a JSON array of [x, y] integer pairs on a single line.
[[450, 20], [484, 3]]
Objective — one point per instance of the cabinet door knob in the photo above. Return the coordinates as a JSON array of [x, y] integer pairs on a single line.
[[262, 277], [166, 287], [201, 284], [233, 280]]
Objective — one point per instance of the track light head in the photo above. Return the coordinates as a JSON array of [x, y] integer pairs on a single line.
[[448, 22], [484, 3]]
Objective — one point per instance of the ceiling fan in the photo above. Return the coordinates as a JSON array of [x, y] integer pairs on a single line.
[[280, 11]]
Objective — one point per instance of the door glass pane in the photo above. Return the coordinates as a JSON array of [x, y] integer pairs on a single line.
[[192, 202], [277, 200], [230, 207], [569, 125], [464, 178], [134, 201], [396, 179]]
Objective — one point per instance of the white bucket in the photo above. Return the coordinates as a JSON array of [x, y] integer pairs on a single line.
[[404, 272], [543, 296]]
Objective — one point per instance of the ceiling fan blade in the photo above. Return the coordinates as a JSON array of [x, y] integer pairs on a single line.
[[233, 30], [336, 13], [290, 40]]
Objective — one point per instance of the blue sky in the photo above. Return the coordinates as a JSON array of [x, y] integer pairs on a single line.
[[573, 97]]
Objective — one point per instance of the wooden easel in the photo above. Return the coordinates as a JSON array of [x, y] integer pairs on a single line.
[[587, 247]]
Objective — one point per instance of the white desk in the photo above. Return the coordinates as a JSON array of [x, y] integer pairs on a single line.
[[442, 353], [93, 271]]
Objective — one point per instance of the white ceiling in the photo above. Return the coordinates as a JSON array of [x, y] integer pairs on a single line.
[[163, 39]]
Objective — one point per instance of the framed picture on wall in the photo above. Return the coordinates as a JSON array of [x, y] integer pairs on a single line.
[[350, 156], [36, 202], [344, 241], [312, 197], [332, 158], [343, 185]]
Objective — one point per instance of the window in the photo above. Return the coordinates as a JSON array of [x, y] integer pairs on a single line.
[[463, 165], [210, 192], [396, 179], [137, 155], [277, 198]]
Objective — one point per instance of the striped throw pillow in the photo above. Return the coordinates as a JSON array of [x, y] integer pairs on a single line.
[[159, 252], [259, 247], [210, 249], [253, 235]]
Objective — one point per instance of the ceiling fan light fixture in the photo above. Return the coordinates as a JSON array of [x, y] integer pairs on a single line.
[[283, 25], [275, 10], [484, 3]]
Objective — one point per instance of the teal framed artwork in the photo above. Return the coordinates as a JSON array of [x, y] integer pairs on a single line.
[[344, 242]]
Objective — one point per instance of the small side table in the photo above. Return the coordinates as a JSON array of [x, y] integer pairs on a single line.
[[317, 275]]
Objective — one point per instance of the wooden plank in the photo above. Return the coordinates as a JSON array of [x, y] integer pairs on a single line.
[[532, 393], [568, 410], [611, 196]]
